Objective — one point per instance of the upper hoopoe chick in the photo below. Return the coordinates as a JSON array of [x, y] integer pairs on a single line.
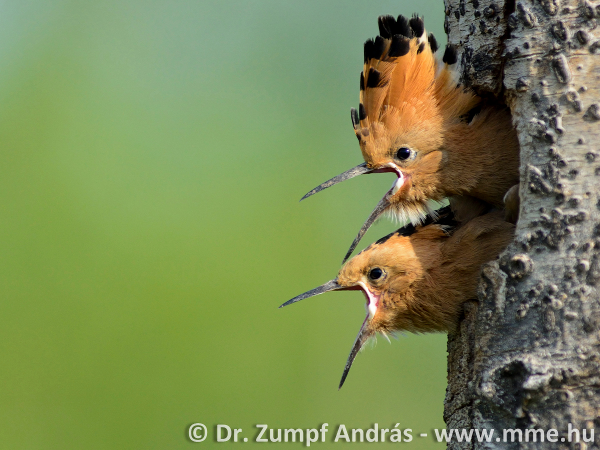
[[415, 121], [416, 279]]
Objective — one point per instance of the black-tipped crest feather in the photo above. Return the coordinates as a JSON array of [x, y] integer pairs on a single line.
[[400, 46], [402, 27], [417, 26], [433, 43], [354, 117], [369, 50], [374, 78], [443, 217], [378, 47], [387, 24], [450, 56], [362, 114]]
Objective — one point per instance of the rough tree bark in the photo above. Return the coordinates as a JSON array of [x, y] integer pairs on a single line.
[[527, 355]]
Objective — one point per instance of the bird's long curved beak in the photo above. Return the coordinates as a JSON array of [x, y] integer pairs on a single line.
[[383, 204], [361, 169], [363, 336], [365, 332], [329, 286]]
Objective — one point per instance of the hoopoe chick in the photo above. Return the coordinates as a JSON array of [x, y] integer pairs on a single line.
[[416, 122], [416, 279]]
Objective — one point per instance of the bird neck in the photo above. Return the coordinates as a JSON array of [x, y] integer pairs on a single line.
[[455, 278], [429, 305], [482, 157], [441, 298]]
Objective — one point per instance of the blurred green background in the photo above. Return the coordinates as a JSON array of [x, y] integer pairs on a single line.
[[153, 155]]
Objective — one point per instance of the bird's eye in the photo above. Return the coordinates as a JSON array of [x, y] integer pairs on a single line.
[[404, 153], [375, 274]]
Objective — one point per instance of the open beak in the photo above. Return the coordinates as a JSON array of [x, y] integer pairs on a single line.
[[361, 169], [365, 331], [383, 204]]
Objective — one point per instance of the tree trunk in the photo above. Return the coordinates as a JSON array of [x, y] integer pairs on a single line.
[[527, 355]]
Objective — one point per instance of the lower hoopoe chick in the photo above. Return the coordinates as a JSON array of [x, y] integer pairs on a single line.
[[416, 279], [415, 121]]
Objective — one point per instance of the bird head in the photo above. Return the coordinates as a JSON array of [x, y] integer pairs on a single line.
[[407, 102], [388, 272]]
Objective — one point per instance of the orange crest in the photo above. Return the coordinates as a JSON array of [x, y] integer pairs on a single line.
[[406, 96]]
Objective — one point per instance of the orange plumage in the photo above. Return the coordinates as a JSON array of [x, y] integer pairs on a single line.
[[417, 279], [440, 139]]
